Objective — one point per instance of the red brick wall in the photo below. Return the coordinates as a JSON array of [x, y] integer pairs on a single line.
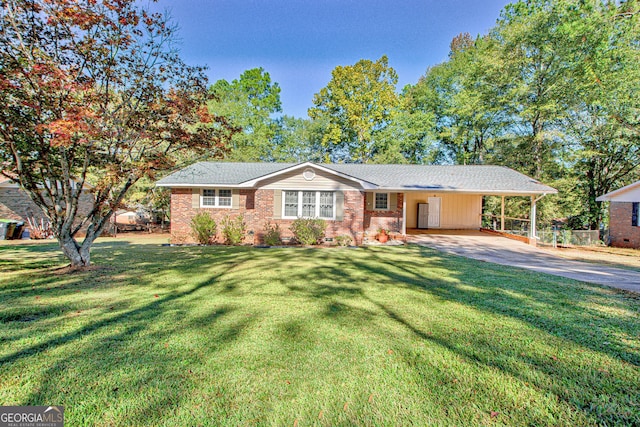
[[622, 233], [182, 213], [389, 220], [257, 208]]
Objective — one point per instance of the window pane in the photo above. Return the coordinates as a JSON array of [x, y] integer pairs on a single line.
[[208, 197], [291, 203], [224, 197], [326, 204], [381, 201], [309, 204]]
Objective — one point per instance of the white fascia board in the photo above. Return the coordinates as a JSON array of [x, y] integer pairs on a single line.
[[469, 191], [208, 185], [254, 182]]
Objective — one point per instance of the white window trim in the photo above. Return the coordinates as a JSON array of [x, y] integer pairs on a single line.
[[317, 212], [216, 205], [374, 201]]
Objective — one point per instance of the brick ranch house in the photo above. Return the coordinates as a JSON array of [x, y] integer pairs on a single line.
[[354, 199], [624, 216]]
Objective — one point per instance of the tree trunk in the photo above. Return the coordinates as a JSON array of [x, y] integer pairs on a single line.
[[79, 255]]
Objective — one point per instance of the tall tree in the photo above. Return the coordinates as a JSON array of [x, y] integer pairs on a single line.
[[462, 97], [358, 102], [94, 92], [249, 103], [530, 48], [298, 140], [603, 126], [409, 137]]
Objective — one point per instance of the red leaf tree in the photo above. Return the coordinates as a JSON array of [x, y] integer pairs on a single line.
[[95, 96]]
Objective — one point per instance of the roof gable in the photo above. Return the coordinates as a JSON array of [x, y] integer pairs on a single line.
[[629, 193]]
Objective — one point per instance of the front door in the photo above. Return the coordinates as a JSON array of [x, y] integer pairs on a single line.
[[434, 212]]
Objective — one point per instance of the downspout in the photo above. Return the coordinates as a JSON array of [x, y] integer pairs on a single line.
[[502, 216], [532, 229]]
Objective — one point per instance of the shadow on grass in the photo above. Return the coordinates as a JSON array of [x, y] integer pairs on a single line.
[[560, 308], [350, 289]]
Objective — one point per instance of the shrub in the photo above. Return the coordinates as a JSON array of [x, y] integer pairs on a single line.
[[344, 240], [204, 228], [308, 231], [233, 230], [272, 235]]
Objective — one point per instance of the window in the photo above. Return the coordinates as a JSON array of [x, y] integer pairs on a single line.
[[216, 199], [309, 204], [326, 204], [381, 201], [224, 198], [635, 214], [291, 204], [208, 197]]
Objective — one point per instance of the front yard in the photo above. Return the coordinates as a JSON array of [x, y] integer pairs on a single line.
[[379, 336]]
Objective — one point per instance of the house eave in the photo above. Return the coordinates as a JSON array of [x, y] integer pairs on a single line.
[[207, 185], [468, 191]]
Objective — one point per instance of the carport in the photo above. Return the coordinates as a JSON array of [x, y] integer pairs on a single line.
[[462, 208]]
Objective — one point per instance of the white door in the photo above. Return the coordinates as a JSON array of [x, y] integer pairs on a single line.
[[434, 212]]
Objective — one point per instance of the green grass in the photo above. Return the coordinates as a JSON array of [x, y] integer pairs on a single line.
[[378, 336]]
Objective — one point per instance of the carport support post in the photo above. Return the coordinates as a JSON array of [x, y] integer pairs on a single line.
[[532, 225], [502, 215]]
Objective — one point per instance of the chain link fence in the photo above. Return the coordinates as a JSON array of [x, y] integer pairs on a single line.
[[547, 235]]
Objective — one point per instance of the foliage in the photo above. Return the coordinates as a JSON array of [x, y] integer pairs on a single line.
[[248, 103], [233, 229], [298, 140], [358, 102], [95, 97], [272, 235], [308, 231], [548, 92], [344, 240], [204, 228], [402, 334]]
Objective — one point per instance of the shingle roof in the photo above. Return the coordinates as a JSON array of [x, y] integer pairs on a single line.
[[210, 173], [477, 178], [481, 178]]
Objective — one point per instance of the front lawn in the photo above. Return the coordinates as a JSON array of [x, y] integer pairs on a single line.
[[379, 336]]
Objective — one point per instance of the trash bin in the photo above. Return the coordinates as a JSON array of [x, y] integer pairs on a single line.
[[4, 226], [17, 232], [11, 226]]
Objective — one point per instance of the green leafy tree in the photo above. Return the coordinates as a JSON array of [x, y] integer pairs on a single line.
[[94, 92], [358, 102], [462, 98], [298, 140], [249, 104], [409, 137], [603, 126], [530, 45]]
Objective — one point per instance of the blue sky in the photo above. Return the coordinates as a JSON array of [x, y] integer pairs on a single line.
[[299, 42]]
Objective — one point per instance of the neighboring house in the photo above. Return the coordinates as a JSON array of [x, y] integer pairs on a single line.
[[624, 215], [355, 199], [15, 203]]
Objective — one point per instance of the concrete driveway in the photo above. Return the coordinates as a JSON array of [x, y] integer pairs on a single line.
[[500, 250]]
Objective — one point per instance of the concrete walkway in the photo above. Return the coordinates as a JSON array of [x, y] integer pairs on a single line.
[[500, 250]]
